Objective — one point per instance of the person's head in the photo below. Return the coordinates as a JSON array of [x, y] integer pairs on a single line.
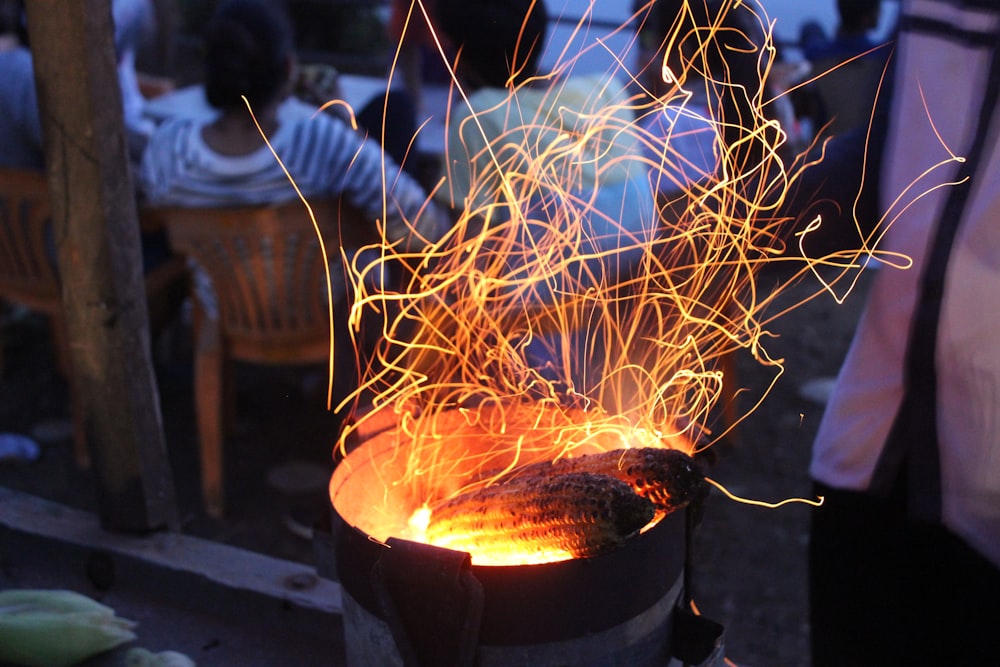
[[250, 50], [858, 16], [497, 39], [12, 20]]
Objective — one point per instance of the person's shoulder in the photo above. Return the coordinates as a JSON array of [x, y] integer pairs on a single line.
[[316, 132], [543, 88], [176, 126], [586, 93], [294, 109], [171, 138], [303, 116]]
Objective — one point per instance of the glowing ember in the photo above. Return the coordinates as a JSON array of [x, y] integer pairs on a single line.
[[570, 508], [540, 519], [417, 525]]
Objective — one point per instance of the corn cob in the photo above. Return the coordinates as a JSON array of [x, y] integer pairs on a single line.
[[57, 628], [576, 514], [668, 478]]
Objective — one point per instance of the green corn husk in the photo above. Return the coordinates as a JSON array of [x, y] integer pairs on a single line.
[[57, 628]]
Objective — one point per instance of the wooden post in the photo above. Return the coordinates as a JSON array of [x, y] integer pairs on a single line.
[[98, 242]]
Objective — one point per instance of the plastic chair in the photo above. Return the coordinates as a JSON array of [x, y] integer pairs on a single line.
[[29, 276], [266, 270]]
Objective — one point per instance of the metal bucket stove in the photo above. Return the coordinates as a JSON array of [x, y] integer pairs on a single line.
[[407, 603]]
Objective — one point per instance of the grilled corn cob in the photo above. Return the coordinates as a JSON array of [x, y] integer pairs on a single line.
[[578, 514], [668, 478]]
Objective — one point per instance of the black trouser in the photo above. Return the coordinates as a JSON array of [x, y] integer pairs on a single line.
[[886, 591]]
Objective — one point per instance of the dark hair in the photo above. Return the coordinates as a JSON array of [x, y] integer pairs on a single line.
[[493, 33], [13, 20], [247, 47], [858, 15]]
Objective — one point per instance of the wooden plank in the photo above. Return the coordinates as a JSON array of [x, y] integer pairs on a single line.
[[98, 243], [220, 568]]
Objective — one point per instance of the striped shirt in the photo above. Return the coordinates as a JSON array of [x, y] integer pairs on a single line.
[[323, 155]]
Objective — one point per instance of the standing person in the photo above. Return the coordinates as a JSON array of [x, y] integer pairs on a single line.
[[905, 552], [849, 68], [856, 21]]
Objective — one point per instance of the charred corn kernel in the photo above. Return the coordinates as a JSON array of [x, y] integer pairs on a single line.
[[578, 514], [668, 478]]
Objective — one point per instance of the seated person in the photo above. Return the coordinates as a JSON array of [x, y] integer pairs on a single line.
[[489, 35], [20, 124], [21, 144], [224, 160]]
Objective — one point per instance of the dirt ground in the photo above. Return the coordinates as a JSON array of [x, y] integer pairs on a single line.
[[749, 568], [750, 562]]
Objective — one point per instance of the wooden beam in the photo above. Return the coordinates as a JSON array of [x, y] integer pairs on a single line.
[[219, 569], [98, 242]]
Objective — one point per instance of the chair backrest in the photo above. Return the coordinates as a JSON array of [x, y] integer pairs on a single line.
[[266, 269], [27, 252]]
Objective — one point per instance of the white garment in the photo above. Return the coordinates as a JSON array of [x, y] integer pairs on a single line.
[[939, 83]]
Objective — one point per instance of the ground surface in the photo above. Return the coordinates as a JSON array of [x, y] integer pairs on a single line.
[[749, 563]]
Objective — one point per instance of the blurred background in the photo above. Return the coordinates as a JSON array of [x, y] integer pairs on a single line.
[[352, 33]]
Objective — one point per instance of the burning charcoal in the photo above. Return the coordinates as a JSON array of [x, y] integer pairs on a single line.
[[580, 513], [668, 478]]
